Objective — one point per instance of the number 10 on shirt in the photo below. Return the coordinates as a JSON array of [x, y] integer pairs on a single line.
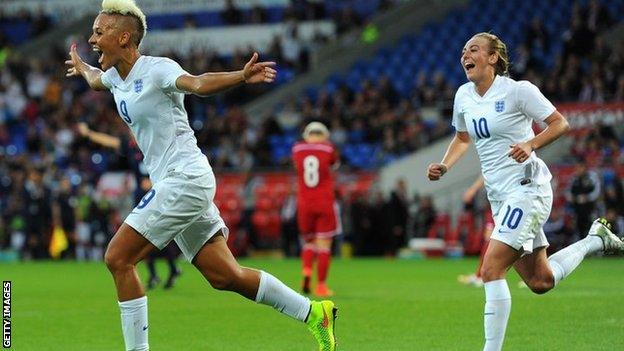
[[481, 128]]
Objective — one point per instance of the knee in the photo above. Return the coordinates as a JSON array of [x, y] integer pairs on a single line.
[[489, 273], [227, 280], [116, 262], [540, 286]]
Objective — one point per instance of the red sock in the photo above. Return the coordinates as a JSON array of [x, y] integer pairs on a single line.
[[324, 260], [307, 259], [481, 255]]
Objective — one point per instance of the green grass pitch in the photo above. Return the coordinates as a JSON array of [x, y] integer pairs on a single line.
[[383, 305]]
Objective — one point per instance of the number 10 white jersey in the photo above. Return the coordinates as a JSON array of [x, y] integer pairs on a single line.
[[500, 118]]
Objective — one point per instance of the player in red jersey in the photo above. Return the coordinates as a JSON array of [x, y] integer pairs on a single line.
[[314, 159]]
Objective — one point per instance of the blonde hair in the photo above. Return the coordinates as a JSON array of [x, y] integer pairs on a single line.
[[127, 8], [497, 46], [315, 127]]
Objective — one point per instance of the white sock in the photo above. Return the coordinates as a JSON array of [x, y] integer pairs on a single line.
[[134, 324], [496, 315], [565, 261], [274, 293]]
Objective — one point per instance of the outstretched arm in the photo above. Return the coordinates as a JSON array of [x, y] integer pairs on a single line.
[[99, 138], [210, 83], [78, 67], [456, 149]]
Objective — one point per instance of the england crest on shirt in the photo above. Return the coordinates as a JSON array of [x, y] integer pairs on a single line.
[[138, 85], [499, 106]]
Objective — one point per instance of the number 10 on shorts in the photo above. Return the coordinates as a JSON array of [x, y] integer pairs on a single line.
[[512, 217]]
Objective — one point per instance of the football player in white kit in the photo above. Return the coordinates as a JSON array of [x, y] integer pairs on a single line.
[[497, 113], [149, 94]]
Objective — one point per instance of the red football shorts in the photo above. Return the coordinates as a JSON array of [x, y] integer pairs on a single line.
[[317, 221]]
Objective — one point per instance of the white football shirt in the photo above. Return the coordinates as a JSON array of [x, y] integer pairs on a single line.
[[500, 118], [153, 107]]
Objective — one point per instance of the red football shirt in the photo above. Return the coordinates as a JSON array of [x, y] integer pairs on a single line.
[[313, 162]]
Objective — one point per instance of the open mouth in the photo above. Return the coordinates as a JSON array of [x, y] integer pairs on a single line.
[[99, 53], [469, 66]]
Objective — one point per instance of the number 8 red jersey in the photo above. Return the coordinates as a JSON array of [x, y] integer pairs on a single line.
[[316, 215], [313, 162]]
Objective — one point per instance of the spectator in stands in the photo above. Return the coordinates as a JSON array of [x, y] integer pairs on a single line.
[[294, 53], [248, 194], [189, 21], [339, 134], [346, 19], [425, 216], [258, 15], [64, 202], [578, 39], [38, 214], [15, 221], [613, 189], [597, 16], [231, 14], [378, 234], [40, 23], [5, 49], [583, 193], [537, 37], [241, 159], [557, 231], [83, 227], [397, 210]]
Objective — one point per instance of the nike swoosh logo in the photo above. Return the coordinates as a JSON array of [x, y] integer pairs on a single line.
[[503, 231], [325, 319], [145, 328]]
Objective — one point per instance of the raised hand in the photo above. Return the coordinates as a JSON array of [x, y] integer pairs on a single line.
[[259, 72], [75, 62]]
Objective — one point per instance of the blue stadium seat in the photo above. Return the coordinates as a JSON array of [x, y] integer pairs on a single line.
[[208, 19], [16, 31], [275, 14]]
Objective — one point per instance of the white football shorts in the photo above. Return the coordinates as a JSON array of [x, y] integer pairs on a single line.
[[520, 218], [179, 208]]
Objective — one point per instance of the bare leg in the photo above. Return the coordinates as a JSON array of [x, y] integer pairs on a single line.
[[218, 266], [125, 250], [535, 271], [499, 257]]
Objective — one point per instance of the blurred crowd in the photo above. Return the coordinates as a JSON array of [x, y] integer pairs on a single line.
[[587, 69], [48, 171]]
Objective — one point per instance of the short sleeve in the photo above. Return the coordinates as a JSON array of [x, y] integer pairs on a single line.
[[106, 78], [458, 119], [533, 103], [165, 72]]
